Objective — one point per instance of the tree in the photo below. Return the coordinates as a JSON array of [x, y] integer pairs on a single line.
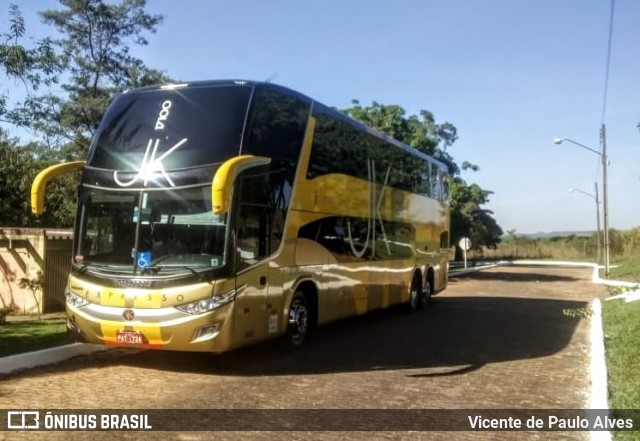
[[93, 61], [14, 163], [468, 218], [30, 66], [18, 167], [97, 55], [94, 54]]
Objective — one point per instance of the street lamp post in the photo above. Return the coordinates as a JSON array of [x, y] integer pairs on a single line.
[[605, 195], [594, 196]]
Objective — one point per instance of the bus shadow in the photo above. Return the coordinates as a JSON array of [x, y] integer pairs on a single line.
[[506, 276], [455, 335]]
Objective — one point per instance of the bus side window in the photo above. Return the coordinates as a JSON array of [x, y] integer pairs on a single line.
[[250, 241], [444, 239], [254, 218]]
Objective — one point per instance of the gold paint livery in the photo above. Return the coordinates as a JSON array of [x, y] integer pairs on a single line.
[[155, 315], [310, 216]]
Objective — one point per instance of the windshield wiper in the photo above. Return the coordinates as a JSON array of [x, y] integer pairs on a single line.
[[86, 266], [154, 270]]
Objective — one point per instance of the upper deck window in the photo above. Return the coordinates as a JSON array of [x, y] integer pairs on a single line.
[[346, 148], [178, 128]]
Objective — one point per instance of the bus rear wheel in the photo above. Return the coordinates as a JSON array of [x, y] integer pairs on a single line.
[[425, 295], [416, 295], [298, 323]]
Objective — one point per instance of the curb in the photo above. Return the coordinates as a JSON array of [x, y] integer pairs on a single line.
[[43, 357], [462, 272], [598, 370], [630, 296]]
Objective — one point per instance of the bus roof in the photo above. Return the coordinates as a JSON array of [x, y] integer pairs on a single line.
[[291, 92]]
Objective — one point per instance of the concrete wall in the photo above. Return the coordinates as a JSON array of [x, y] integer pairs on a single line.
[[23, 256]]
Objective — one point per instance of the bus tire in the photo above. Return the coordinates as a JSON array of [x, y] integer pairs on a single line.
[[415, 294], [298, 321], [425, 296]]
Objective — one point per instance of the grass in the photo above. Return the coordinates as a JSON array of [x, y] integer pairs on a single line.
[[21, 336], [621, 322], [622, 342], [627, 268]]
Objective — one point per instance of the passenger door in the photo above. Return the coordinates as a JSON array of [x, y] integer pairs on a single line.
[[254, 243]]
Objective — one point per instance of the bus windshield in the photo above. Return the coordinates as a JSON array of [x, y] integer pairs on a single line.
[[188, 127], [149, 232]]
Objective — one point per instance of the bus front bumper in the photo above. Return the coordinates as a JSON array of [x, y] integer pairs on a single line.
[[161, 328]]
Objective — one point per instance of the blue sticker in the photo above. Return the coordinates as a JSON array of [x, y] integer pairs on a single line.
[[144, 259]]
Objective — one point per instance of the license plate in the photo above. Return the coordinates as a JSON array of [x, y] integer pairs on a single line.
[[130, 337]]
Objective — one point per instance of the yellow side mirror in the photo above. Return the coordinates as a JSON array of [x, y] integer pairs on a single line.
[[224, 179], [40, 182]]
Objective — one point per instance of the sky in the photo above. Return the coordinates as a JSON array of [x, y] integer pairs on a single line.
[[511, 75]]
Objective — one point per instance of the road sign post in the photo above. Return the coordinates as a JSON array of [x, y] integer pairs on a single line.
[[465, 245]]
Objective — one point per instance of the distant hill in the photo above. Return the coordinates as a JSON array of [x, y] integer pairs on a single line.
[[542, 235]]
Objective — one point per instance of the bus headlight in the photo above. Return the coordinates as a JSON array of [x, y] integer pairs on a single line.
[[206, 305], [76, 301]]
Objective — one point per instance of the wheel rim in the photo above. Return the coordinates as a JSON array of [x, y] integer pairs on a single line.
[[426, 294], [298, 317], [414, 296]]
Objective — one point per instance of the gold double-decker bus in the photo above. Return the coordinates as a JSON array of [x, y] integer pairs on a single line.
[[212, 215]]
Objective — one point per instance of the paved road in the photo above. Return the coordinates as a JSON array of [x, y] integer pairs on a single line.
[[493, 339]]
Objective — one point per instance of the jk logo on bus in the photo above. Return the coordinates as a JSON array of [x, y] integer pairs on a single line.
[[151, 168]]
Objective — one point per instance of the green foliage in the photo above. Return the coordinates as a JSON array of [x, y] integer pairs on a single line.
[[33, 66], [18, 167], [25, 336], [514, 246], [94, 55], [94, 59], [30, 66], [624, 250], [621, 322], [577, 312], [469, 219]]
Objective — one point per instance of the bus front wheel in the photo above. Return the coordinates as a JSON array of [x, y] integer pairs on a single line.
[[298, 326]]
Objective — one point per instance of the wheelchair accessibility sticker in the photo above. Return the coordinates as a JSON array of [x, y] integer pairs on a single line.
[[144, 259]]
